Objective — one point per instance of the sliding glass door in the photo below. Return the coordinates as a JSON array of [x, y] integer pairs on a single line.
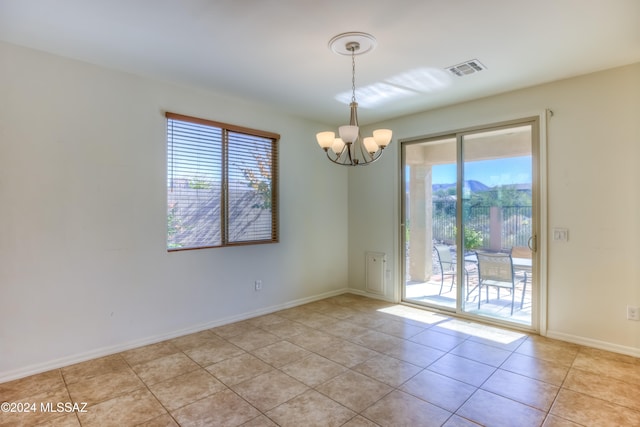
[[469, 214], [430, 200]]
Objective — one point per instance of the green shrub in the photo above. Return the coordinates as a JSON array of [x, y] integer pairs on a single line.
[[472, 238]]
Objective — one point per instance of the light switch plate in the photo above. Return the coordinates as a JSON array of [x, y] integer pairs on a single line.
[[561, 234]]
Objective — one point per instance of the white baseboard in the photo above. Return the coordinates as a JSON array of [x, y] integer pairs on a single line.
[[369, 295], [588, 342], [106, 351]]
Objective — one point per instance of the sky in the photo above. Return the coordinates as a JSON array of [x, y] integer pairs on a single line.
[[513, 170]]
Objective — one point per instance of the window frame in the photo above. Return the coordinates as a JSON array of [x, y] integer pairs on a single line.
[[225, 203]]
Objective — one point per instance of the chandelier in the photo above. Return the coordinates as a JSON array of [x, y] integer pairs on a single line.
[[350, 149]]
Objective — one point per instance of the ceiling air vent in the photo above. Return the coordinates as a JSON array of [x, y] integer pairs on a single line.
[[466, 68]]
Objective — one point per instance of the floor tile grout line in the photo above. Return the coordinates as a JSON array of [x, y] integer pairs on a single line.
[[66, 386], [587, 394], [144, 385], [148, 389]]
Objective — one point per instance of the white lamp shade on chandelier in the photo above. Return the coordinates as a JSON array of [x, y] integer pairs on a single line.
[[350, 149]]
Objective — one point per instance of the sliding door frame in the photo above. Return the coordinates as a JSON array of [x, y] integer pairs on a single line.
[[539, 196]]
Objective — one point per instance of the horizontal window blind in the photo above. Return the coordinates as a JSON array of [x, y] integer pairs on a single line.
[[221, 184]]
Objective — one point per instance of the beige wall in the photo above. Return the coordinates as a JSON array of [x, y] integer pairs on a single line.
[[83, 266], [593, 150]]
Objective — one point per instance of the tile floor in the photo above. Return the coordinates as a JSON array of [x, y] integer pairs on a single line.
[[343, 361]]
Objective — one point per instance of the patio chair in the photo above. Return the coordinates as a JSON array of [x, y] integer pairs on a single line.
[[448, 266], [521, 256], [496, 269]]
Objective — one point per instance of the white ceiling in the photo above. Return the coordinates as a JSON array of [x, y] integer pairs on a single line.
[[275, 51]]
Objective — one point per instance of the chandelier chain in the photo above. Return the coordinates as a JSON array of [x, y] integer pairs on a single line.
[[353, 75]]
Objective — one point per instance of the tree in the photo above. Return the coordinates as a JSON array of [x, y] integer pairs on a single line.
[[504, 195], [260, 184], [472, 238]]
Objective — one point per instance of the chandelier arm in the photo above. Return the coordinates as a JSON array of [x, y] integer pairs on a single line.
[[364, 163], [337, 161], [350, 160], [350, 156], [365, 154], [372, 157], [338, 156], [345, 148]]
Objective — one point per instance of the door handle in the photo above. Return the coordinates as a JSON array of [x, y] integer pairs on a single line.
[[533, 247]]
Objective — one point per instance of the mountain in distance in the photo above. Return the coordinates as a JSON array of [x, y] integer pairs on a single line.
[[473, 185], [478, 187]]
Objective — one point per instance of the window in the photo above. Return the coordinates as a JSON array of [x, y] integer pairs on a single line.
[[222, 184]]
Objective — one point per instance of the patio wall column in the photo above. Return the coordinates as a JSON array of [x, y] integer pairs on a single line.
[[420, 223], [495, 228]]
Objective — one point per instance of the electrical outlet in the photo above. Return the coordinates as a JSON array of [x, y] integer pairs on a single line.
[[258, 285], [633, 313]]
